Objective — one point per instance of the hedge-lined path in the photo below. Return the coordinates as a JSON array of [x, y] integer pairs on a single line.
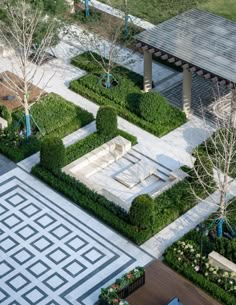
[[51, 250], [83, 132]]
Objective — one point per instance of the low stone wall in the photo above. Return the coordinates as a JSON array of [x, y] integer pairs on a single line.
[[221, 262]]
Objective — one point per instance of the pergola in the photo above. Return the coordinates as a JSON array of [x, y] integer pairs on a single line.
[[197, 41]]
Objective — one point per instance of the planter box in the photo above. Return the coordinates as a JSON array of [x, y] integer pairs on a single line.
[[124, 293]]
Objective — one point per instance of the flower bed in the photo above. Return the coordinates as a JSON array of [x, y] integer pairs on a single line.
[[186, 258], [122, 288], [124, 97]]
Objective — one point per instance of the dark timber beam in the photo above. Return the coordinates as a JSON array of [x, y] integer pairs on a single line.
[[144, 48], [207, 76], [200, 72], [138, 45]]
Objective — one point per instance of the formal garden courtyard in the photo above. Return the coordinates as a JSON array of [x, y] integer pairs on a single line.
[[108, 162]]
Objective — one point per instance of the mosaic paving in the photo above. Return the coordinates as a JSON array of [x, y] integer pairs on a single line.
[[51, 252]]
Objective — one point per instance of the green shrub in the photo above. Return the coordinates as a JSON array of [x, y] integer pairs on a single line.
[[106, 121], [52, 153], [53, 112], [149, 105], [94, 203], [124, 97], [5, 113], [141, 213], [91, 142]]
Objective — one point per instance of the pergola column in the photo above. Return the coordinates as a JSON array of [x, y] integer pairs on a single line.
[[187, 91], [147, 80]]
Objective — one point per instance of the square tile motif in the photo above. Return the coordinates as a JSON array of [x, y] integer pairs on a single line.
[[42, 243], [3, 295], [34, 296], [3, 209], [76, 243], [16, 199], [60, 231], [55, 281], [93, 255], [45, 220], [22, 256], [11, 221], [18, 282], [7, 244], [30, 210], [26, 232], [5, 268], [14, 303], [37, 269], [57, 256], [74, 268]]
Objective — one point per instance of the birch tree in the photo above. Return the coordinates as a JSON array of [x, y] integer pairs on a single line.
[[215, 165], [106, 50], [19, 31]]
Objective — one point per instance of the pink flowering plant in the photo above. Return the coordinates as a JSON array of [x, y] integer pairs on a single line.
[[110, 295]]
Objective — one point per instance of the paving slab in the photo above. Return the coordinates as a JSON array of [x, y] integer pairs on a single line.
[[51, 251]]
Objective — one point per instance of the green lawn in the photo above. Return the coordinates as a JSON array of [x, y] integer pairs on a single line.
[[157, 11]]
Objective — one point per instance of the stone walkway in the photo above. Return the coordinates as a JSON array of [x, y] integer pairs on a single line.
[[188, 221], [51, 251]]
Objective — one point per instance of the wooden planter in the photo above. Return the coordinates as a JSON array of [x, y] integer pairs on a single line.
[[125, 292]]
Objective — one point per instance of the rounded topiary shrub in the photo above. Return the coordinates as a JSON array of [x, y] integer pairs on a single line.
[[150, 104], [5, 113], [52, 153], [106, 121], [141, 212]]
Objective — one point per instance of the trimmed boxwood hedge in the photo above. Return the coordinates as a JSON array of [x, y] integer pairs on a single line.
[[124, 97], [55, 117], [52, 153], [167, 207]]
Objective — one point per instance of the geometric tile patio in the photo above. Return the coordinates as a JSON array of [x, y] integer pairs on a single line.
[[52, 252]]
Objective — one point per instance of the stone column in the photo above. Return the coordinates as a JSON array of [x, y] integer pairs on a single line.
[[233, 109], [187, 91], [147, 85], [71, 4]]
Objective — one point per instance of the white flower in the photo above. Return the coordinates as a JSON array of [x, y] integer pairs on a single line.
[[219, 280], [206, 273], [214, 272], [231, 283], [211, 269], [179, 259], [111, 290], [197, 268], [192, 250], [198, 255]]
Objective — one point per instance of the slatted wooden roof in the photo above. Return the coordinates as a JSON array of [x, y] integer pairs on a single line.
[[198, 40]]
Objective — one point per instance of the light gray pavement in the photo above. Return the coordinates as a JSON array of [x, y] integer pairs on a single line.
[[188, 221], [51, 251], [172, 150], [5, 165]]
